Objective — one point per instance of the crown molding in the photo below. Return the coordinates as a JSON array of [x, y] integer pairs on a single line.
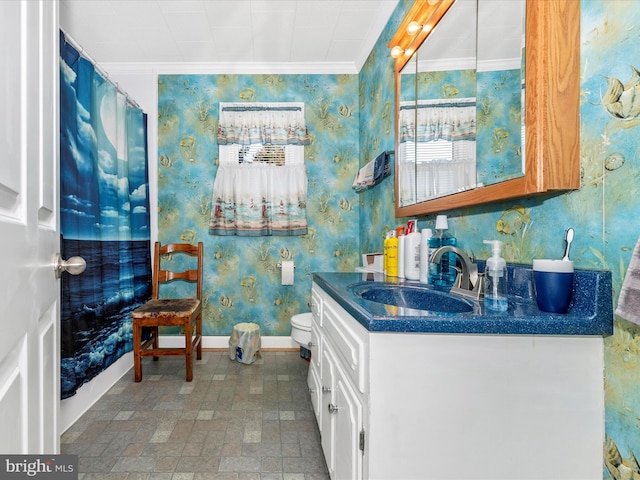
[[231, 68]]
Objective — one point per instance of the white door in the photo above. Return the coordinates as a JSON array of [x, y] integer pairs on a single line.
[[29, 228]]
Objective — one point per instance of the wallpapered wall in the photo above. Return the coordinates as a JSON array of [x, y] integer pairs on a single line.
[[241, 278], [351, 118], [604, 212]]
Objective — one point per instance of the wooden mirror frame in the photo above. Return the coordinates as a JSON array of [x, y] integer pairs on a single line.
[[552, 104]]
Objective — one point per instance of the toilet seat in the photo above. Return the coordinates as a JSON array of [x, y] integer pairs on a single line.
[[302, 321]]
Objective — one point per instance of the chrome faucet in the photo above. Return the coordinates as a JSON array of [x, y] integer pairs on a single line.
[[468, 282]]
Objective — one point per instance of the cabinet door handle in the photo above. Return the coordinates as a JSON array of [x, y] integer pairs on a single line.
[[311, 390], [326, 389], [311, 344], [332, 408]]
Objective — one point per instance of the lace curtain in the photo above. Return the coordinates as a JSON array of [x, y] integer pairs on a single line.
[[436, 148], [261, 183]]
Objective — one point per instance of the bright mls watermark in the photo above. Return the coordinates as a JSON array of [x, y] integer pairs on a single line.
[[49, 467]]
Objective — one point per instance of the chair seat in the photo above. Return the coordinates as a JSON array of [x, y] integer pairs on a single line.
[[174, 307]]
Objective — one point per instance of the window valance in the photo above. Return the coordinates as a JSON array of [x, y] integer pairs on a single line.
[[272, 123], [433, 120]]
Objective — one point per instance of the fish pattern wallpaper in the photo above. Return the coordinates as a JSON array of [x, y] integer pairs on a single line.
[[351, 118], [604, 212], [499, 119], [242, 282]]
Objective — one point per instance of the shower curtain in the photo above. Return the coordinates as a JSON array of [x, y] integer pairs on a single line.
[[104, 218]]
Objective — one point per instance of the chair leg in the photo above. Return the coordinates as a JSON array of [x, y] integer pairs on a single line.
[[156, 340], [137, 340], [199, 334], [188, 350]]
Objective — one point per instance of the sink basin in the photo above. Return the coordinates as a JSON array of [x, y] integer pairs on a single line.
[[412, 297]]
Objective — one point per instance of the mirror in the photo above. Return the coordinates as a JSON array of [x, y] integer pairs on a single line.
[[551, 105], [500, 90], [437, 115]]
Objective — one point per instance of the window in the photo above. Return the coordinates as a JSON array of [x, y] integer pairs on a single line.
[[437, 148], [261, 183]]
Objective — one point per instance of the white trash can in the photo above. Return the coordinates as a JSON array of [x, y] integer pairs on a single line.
[[244, 343]]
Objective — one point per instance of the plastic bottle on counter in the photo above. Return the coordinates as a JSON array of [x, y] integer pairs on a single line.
[[495, 279], [385, 252], [401, 249], [425, 235], [412, 251], [392, 255], [443, 274]]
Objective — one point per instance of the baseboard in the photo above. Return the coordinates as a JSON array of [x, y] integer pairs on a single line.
[[72, 408], [216, 343]]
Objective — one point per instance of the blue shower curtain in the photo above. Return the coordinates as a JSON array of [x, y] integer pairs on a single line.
[[104, 217]]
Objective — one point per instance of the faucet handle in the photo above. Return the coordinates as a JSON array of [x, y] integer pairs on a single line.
[[458, 281], [475, 290]]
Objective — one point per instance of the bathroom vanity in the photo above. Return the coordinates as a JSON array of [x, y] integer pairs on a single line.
[[402, 393]]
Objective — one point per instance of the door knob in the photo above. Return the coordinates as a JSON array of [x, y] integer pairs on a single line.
[[75, 265]]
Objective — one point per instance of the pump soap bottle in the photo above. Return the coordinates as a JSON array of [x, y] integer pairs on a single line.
[[495, 279]]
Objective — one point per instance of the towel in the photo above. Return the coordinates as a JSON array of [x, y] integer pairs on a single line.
[[373, 172], [629, 300]]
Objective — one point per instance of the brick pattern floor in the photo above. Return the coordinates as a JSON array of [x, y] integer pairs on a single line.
[[232, 422]]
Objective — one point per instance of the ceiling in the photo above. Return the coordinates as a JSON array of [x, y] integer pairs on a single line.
[[340, 33]]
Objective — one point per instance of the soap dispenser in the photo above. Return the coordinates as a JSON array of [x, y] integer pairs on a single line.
[[495, 279]]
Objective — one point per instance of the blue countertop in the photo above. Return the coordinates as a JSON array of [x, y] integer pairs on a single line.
[[590, 312]]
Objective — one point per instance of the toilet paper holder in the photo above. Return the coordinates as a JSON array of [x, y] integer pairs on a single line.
[[279, 265]]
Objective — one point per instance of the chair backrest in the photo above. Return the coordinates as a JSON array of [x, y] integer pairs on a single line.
[[162, 275]]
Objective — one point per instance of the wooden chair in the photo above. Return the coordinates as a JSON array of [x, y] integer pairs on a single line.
[[157, 312]]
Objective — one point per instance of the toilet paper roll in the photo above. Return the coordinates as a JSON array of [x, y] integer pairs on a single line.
[[287, 272]]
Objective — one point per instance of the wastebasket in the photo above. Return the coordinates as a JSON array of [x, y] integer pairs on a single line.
[[244, 342]]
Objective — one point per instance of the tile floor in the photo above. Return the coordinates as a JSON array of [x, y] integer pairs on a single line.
[[232, 422]]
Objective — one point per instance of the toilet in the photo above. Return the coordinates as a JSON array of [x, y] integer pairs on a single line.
[[301, 329]]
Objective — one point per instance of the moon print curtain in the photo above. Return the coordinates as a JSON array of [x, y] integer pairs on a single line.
[[104, 218]]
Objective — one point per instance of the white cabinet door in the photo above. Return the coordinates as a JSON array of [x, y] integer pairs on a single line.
[[315, 346], [348, 425], [328, 421], [315, 390]]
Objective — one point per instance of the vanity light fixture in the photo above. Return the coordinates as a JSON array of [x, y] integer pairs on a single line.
[[417, 25], [414, 27], [397, 51]]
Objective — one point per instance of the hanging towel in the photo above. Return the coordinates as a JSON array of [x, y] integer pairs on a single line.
[[373, 172], [629, 301]]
